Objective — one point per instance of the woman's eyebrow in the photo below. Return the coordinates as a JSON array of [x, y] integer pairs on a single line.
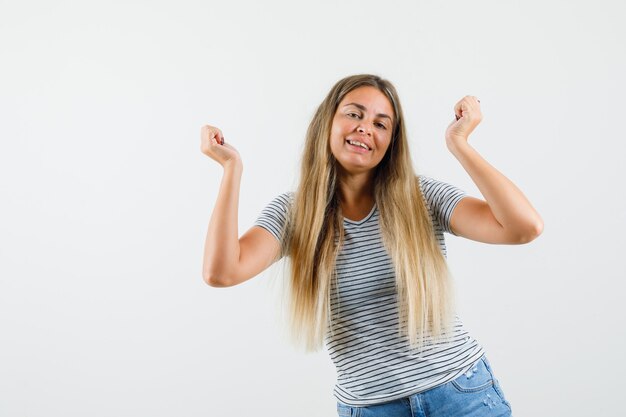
[[362, 107]]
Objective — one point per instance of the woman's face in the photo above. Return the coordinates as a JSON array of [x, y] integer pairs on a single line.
[[364, 115]]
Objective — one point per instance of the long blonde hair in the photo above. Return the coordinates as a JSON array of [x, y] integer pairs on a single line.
[[315, 221]]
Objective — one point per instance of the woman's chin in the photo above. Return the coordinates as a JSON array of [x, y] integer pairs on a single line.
[[354, 168]]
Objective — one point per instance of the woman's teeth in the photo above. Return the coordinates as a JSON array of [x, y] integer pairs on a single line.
[[357, 143]]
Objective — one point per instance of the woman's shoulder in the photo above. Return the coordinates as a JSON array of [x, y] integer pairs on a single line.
[[287, 196], [426, 178], [282, 200], [437, 190]]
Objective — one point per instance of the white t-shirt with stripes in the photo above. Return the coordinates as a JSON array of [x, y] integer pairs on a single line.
[[373, 363]]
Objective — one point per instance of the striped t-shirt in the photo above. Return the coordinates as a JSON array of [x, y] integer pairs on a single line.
[[373, 363]]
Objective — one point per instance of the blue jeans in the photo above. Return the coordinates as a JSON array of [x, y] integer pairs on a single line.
[[475, 393]]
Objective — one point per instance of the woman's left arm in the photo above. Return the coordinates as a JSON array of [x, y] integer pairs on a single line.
[[506, 217]]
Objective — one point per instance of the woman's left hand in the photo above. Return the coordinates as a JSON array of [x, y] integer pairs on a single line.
[[468, 116]]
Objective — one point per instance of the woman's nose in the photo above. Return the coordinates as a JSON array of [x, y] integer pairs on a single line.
[[361, 129]]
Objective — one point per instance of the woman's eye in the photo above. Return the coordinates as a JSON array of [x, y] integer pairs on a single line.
[[358, 116]]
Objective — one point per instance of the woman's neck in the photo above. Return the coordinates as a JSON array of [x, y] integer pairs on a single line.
[[357, 191]]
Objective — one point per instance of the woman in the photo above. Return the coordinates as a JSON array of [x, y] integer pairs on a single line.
[[363, 237]]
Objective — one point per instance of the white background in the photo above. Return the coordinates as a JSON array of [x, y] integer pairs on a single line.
[[106, 196]]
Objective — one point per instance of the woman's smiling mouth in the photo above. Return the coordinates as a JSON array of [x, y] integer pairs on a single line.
[[358, 146]]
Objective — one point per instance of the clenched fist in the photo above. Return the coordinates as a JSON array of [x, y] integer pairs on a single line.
[[468, 116], [213, 145]]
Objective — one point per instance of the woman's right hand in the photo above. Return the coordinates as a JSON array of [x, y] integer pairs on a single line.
[[210, 138]]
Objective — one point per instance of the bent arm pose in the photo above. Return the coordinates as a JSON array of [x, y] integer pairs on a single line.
[[507, 216], [228, 259]]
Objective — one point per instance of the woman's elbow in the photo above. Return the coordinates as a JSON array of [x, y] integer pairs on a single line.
[[531, 233], [216, 281]]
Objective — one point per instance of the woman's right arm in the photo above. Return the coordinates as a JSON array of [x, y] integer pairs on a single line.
[[229, 260]]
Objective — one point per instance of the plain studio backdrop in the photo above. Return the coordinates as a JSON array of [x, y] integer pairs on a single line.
[[106, 197]]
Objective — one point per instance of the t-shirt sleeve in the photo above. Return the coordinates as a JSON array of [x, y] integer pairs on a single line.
[[441, 199], [274, 217]]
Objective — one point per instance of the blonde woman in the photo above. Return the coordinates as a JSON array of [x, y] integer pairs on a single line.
[[362, 236]]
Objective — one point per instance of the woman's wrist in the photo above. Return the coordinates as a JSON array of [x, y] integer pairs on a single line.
[[458, 146], [233, 165]]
